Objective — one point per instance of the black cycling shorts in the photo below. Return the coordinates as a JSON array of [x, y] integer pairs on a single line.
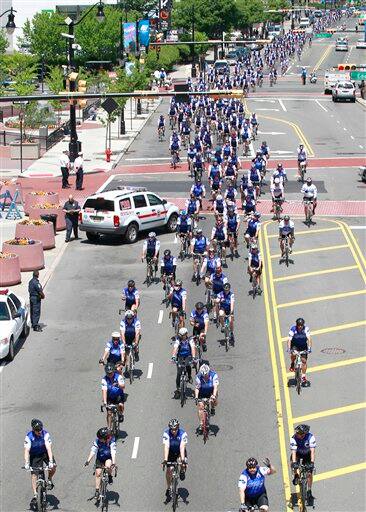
[[100, 464], [198, 330], [304, 458], [115, 401], [173, 457], [37, 461], [260, 500], [299, 349]]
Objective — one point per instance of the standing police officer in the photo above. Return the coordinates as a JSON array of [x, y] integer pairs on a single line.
[[79, 171], [71, 209], [35, 296]]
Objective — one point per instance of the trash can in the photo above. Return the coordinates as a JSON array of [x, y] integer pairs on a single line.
[[50, 217]]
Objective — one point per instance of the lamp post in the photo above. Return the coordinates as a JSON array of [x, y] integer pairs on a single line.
[[74, 144], [10, 25], [193, 70], [293, 15]]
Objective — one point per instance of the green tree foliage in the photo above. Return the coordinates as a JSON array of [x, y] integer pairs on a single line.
[[275, 5], [4, 43], [55, 82], [249, 12]]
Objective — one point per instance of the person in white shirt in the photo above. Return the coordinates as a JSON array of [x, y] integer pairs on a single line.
[[310, 192], [65, 169], [79, 171]]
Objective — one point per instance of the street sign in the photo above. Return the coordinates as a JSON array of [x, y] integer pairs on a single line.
[[323, 34], [358, 75]]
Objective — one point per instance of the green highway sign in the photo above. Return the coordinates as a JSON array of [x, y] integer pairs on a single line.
[[324, 34], [358, 75]]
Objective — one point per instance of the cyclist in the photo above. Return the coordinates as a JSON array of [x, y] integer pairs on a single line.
[[219, 206], [279, 172], [113, 385], [114, 350], [199, 321], [255, 177], [277, 193], [175, 440], [207, 384], [217, 281], [230, 192], [104, 449], [226, 308], [175, 143], [192, 206], [150, 249], [252, 232], [301, 157], [299, 339], [199, 245], [219, 235], [252, 490], [161, 125], [184, 347], [131, 296], [178, 299], [198, 164], [310, 193], [255, 264], [168, 267], [209, 265], [232, 225], [37, 453], [184, 225], [264, 149], [198, 190], [286, 228], [303, 446], [254, 123], [130, 329]]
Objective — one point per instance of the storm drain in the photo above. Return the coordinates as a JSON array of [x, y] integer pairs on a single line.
[[333, 350]]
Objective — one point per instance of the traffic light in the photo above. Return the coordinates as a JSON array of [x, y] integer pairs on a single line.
[[82, 89], [347, 67]]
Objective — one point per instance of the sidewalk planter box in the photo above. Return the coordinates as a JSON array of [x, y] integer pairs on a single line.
[[36, 211], [43, 232], [30, 151], [9, 269], [12, 186], [39, 197], [30, 255]]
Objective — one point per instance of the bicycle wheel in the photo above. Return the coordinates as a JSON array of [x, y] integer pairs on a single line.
[[130, 366], [303, 493], [286, 252], [182, 390], [227, 336], [40, 498], [205, 427], [175, 492], [298, 380], [104, 498]]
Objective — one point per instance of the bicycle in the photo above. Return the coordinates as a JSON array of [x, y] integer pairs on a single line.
[[103, 493], [309, 211], [184, 246], [197, 173], [167, 289], [130, 366], [115, 418], [182, 363], [199, 342], [255, 287], [277, 206], [221, 254], [227, 332], [206, 418], [287, 250], [298, 367], [172, 122], [174, 483], [198, 258], [174, 160], [41, 487], [178, 316], [209, 304], [150, 271], [304, 470], [161, 133], [302, 170]]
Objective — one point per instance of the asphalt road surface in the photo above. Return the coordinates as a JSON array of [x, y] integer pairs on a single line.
[[56, 377]]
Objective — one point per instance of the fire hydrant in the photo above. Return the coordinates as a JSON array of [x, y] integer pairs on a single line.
[[108, 153]]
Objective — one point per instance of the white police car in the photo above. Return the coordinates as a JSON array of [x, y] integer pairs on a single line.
[[126, 211], [14, 322]]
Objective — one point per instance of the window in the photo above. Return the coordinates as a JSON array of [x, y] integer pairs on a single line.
[[16, 301], [125, 204], [99, 203], [140, 201], [12, 308], [153, 200], [4, 312]]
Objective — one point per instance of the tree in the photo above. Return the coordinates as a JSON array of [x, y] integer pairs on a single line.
[[4, 43], [249, 12], [55, 82], [276, 5]]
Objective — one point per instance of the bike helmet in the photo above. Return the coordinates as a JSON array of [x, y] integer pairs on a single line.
[[109, 368], [227, 286], [251, 463], [219, 197], [199, 305], [302, 429], [199, 231], [167, 253], [204, 369], [152, 234], [257, 215], [286, 217], [277, 181], [254, 247], [211, 250], [36, 425], [183, 331], [131, 283], [279, 166], [300, 322], [115, 335], [308, 180], [178, 282], [173, 424], [103, 433], [183, 213], [129, 314]]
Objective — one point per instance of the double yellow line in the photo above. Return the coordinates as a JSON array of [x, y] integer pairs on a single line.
[[323, 57], [300, 134]]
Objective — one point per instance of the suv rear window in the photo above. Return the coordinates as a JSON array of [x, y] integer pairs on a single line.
[[345, 85], [140, 201], [99, 203]]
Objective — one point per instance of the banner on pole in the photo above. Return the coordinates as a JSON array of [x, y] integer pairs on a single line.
[[129, 37], [144, 32]]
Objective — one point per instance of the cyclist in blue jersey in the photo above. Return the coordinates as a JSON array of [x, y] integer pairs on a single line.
[[230, 192], [253, 227], [217, 281], [113, 386], [207, 386], [191, 153], [209, 265], [38, 453], [219, 206], [184, 347], [249, 205], [199, 320], [131, 297], [198, 190], [255, 176], [175, 441], [286, 228], [199, 244], [264, 149], [168, 267], [252, 490], [255, 264], [184, 225], [114, 350], [302, 445], [130, 329], [232, 226], [219, 235], [150, 249], [226, 301], [299, 339], [104, 450], [161, 125], [178, 301], [192, 206]]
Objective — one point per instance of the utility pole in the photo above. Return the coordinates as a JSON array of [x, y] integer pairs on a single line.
[[193, 70], [73, 144]]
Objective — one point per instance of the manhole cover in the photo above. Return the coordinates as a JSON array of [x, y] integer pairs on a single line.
[[223, 367], [333, 350]]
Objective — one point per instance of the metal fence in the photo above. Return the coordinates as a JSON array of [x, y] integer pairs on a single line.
[[86, 110], [45, 142]]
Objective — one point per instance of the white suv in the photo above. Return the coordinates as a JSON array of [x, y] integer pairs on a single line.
[[125, 212], [14, 322]]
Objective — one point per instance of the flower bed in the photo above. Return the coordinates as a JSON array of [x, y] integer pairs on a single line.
[[12, 186], [46, 208], [9, 269], [37, 229], [30, 253], [39, 197]]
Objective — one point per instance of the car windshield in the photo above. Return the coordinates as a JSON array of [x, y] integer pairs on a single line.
[[345, 85], [4, 312], [99, 203]]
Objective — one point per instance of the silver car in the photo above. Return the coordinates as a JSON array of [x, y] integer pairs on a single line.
[[344, 91]]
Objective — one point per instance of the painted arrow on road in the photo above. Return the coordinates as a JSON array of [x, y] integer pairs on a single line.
[[272, 109], [271, 133], [282, 152]]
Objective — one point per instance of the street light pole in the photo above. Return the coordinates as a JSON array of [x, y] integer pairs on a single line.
[[292, 15], [193, 70]]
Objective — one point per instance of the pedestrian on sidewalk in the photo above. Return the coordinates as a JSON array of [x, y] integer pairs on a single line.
[[65, 169], [71, 209], [79, 171], [35, 296], [362, 87]]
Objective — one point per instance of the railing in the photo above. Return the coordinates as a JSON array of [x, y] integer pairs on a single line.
[[57, 135], [6, 137], [86, 110]]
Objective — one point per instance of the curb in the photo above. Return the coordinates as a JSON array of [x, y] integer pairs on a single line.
[[361, 102]]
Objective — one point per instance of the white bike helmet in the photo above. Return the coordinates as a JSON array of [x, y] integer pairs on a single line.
[[204, 370], [183, 331]]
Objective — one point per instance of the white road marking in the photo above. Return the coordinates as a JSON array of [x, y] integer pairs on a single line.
[[251, 149], [268, 109], [345, 129], [338, 121], [280, 152], [264, 101], [360, 146], [147, 159], [150, 370], [271, 133], [161, 314], [352, 137], [321, 106], [282, 105], [135, 448], [357, 227]]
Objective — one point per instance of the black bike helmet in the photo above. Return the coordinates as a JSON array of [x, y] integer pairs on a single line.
[[103, 433], [251, 463], [109, 368], [36, 425], [300, 322], [227, 286], [302, 429], [173, 424], [199, 305], [167, 253], [131, 283]]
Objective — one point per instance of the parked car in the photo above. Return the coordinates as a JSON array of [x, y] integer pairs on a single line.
[[14, 322], [221, 66], [344, 91], [231, 57], [341, 45]]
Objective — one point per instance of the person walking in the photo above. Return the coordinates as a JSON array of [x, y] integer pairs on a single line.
[[71, 209], [65, 169], [79, 171], [35, 296]]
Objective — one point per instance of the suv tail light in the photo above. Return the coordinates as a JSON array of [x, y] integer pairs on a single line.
[[80, 217], [116, 221]]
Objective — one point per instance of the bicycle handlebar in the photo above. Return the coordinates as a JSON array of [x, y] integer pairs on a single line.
[[108, 407]]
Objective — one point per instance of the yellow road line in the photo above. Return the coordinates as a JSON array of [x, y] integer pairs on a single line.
[[318, 249], [278, 401], [358, 249], [340, 472], [322, 298], [315, 273], [334, 328], [329, 412], [322, 58], [296, 128], [309, 231], [346, 233], [330, 366]]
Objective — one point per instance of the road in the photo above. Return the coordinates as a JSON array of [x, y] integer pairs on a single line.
[[55, 375]]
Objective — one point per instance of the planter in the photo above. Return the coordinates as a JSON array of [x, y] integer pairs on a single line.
[[12, 187], [10, 271], [44, 233], [30, 256], [30, 151], [36, 212], [32, 199]]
